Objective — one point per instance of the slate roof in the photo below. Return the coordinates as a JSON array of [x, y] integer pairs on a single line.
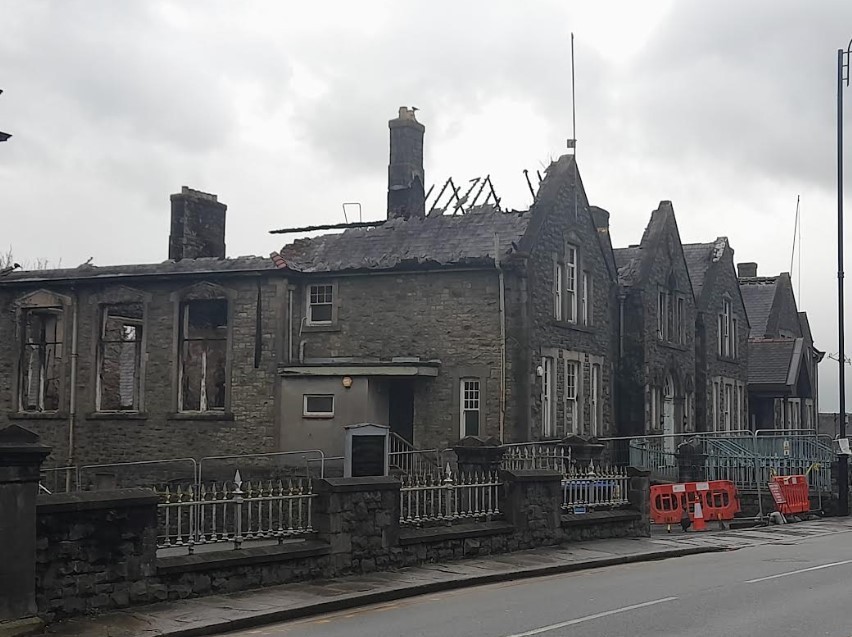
[[699, 257], [769, 362], [628, 261], [185, 266], [758, 297], [465, 239]]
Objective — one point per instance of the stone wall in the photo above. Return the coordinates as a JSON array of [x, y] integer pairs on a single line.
[[256, 311], [97, 550]]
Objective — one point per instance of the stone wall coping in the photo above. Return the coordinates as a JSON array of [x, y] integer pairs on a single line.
[[347, 485], [95, 500], [635, 472], [531, 475], [455, 532], [593, 518], [231, 558]]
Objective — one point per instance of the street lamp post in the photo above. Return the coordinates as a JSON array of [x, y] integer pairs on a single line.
[[842, 467]]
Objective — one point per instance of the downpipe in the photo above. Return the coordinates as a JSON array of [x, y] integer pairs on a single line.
[[72, 406]]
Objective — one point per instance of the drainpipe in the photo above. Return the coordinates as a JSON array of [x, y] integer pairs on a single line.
[[501, 282], [289, 324], [72, 411]]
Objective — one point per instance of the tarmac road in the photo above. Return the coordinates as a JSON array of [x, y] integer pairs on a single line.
[[797, 586]]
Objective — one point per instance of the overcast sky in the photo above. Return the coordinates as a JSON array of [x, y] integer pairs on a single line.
[[727, 108]]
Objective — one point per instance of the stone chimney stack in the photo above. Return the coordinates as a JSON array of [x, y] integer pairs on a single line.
[[747, 270], [406, 195], [198, 226]]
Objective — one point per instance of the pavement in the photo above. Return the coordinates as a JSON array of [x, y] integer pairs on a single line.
[[294, 602]]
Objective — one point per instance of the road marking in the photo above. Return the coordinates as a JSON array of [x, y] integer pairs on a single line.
[[801, 570], [580, 620]]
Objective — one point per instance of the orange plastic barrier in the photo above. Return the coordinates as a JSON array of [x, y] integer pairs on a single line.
[[719, 501], [795, 494]]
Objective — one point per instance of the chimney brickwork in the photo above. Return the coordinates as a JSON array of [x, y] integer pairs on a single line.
[[197, 226], [406, 194]]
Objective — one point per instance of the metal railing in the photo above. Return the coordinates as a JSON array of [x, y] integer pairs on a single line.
[[234, 512], [430, 497], [407, 459], [595, 488], [652, 455], [535, 455]]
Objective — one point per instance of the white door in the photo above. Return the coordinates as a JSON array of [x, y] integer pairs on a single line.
[[668, 416]]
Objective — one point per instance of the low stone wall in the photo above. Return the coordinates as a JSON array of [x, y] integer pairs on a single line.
[[97, 550]]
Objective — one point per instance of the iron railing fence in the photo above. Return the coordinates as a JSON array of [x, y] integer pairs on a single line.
[[435, 498], [595, 488], [406, 459], [234, 512], [536, 455]]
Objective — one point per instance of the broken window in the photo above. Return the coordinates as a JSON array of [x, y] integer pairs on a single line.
[[41, 359], [203, 355], [320, 304], [120, 358]]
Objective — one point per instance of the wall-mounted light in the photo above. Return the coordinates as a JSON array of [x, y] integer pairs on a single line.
[[539, 371], [347, 382]]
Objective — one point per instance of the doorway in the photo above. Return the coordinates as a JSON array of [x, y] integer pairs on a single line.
[[401, 408]]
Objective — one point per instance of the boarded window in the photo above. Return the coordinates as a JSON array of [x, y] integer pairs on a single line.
[[120, 358], [318, 405], [470, 406], [320, 304], [203, 353], [41, 359]]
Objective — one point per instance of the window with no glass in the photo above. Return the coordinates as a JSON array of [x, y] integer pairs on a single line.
[[470, 406], [203, 355], [41, 360], [320, 304], [318, 405], [119, 376]]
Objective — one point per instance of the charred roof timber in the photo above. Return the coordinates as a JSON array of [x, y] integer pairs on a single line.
[[3, 136]]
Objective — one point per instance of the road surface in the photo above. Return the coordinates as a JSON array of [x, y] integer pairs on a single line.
[[794, 587]]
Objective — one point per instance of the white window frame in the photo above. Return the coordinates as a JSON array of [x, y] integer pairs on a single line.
[[717, 421], [728, 406], [571, 264], [310, 304], [572, 379], [795, 413], [558, 301], [547, 383], [586, 301], [595, 401], [470, 400], [727, 324], [306, 413]]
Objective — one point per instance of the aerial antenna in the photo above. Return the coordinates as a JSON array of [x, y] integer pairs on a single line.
[[797, 230], [572, 143]]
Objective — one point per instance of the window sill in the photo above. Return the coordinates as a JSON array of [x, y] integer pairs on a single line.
[[117, 415], [670, 345], [727, 359], [318, 416], [331, 327], [202, 415], [37, 415], [577, 327]]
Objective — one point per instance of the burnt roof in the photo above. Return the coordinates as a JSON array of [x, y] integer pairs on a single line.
[[758, 297], [185, 266], [437, 240]]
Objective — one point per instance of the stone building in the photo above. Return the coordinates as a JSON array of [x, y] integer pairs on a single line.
[[490, 323], [657, 333], [783, 361], [137, 362], [721, 337]]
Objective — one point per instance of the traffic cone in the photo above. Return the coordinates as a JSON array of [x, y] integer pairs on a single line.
[[699, 517]]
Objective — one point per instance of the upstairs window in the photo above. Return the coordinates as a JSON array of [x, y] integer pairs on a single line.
[[41, 360], [547, 397], [320, 304], [119, 376], [662, 312], [470, 406], [558, 301], [203, 355], [727, 331], [571, 283], [586, 300]]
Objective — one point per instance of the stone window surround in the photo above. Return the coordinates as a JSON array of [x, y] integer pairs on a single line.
[[730, 320], [561, 358], [101, 301], [201, 292], [738, 407], [330, 326], [481, 373], [41, 299], [582, 305], [671, 302]]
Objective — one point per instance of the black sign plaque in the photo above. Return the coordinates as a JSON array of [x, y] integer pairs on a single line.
[[368, 456]]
